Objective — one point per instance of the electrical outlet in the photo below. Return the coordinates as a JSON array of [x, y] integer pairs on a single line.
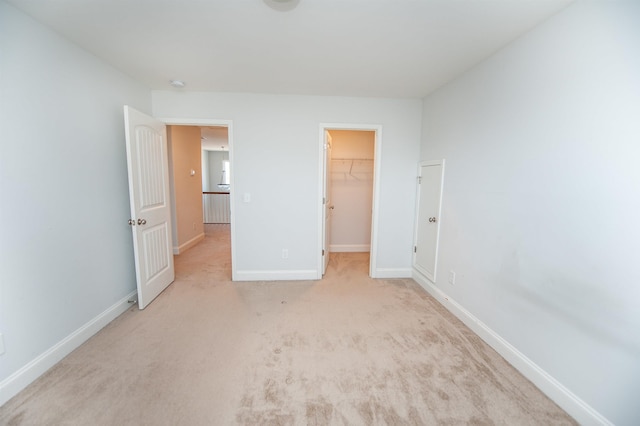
[[1, 344], [285, 253], [194, 226], [452, 277]]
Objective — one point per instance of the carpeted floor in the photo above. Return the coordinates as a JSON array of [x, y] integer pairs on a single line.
[[347, 350]]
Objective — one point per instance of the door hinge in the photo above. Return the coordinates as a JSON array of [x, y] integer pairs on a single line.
[[323, 252], [419, 180], [415, 249], [324, 201]]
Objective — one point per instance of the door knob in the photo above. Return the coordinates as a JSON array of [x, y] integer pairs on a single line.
[[132, 222], [142, 221]]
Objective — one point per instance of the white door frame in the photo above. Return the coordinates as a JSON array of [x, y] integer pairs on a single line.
[[229, 125], [326, 200], [376, 188]]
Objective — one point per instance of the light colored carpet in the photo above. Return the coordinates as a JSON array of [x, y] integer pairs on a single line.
[[347, 350]]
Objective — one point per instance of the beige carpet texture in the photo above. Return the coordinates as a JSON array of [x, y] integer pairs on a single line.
[[344, 350]]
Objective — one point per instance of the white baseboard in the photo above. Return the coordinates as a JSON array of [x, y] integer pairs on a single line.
[[294, 275], [392, 273], [571, 403], [19, 380], [349, 248], [186, 246]]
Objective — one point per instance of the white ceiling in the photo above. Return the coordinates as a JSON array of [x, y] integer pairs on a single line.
[[215, 138], [380, 48]]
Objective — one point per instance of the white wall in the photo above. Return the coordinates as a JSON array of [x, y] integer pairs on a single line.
[[542, 198], [276, 160], [351, 183], [185, 149], [66, 251]]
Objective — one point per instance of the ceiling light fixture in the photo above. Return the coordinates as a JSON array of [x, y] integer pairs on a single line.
[[177, 83], [282, 5]]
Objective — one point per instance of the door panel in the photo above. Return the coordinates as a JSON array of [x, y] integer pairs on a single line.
[[157, 260], [428, 218], [148, 169], [150, 176]]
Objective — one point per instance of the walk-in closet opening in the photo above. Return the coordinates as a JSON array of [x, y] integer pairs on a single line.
[[349, 191]]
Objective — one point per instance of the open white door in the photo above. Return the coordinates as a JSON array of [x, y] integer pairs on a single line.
[[326, 198], [425, 256], [150, 203]]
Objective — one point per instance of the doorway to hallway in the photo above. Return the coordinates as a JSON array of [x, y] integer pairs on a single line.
[[201, 173]]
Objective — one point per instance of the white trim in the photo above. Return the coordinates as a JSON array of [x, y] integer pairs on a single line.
[[19, 380], [195, 122], [567, 400], [293, 275], [186, 246], [349, 248], [373, 259], [229, 125], [393, 273], [320, 210]]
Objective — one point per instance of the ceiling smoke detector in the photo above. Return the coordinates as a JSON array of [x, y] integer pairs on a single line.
[[177, 83]]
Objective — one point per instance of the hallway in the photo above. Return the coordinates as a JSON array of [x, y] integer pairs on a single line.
[[210, 259]]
